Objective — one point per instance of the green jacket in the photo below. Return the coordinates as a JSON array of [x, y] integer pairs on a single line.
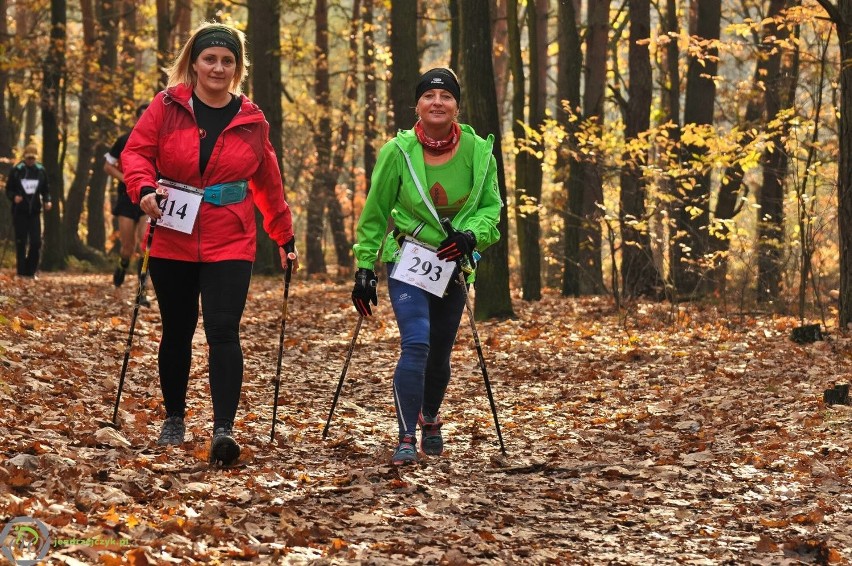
[[394, 193]]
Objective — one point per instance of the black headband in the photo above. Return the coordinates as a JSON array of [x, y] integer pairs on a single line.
[[215, 36], [438, 78]]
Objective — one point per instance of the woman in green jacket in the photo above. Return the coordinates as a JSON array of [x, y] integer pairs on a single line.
[[438, 184]]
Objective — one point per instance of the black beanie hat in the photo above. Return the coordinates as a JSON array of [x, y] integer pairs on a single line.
[[438, 78], [215, 36]]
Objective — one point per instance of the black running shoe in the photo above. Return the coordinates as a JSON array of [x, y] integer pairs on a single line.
[[224, 450], [118, 275]]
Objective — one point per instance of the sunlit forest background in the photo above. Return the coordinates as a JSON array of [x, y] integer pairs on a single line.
[[672, 149]]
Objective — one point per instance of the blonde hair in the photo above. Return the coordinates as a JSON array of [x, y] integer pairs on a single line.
[[31, 149], [180, 72]]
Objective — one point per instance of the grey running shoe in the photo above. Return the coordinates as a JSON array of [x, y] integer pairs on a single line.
[[432, 443], [173, 432], [224, 450], [406, 452]]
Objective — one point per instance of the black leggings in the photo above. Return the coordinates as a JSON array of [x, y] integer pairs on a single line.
[[223, 287], [27, 230]]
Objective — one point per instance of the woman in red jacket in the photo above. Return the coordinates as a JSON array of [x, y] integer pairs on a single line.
[[204, 148]]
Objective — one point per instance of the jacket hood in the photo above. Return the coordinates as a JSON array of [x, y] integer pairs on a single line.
[[408, 139], [182, 94]]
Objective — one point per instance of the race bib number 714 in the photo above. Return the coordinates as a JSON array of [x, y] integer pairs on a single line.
[[419, 266]]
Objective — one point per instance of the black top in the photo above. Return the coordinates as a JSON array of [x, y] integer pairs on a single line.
[[30, 183], [115, 153], [211, 123]]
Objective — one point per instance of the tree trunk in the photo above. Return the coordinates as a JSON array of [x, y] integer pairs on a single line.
[[107, 14], [480, 99], [590, 263], [164, 33], [500, 16], [322, 145], [264, 39], [16, 109], [6, 141], [405, 68], [692, 209], [370, 97], [781, 82], [76, 197], [516, 66], [214, 8], [128, 63], [844, 184], [182, 22], [732, 188], [53, 70], [638, 273], [568, 76], [454, 34], [336, 216], [528, 194], [841, 15]]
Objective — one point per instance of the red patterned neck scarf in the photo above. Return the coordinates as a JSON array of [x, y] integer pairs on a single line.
[[449, 143]]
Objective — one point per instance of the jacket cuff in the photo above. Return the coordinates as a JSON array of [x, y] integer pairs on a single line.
[[146, 191]]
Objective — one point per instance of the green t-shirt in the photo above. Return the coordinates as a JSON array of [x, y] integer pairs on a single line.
[[450, 183]]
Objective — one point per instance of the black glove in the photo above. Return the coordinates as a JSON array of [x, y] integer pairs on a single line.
[[457, 245], [364, 291]]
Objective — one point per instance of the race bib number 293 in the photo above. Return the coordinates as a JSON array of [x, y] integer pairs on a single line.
[[419, 266]]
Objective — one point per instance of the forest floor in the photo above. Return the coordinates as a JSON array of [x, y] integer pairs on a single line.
[[658, 436]]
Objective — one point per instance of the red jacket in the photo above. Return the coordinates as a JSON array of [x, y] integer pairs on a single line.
[[165, 143]]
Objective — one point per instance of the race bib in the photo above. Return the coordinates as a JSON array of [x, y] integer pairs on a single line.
[[180, 207], [30, 186], [419, 266]]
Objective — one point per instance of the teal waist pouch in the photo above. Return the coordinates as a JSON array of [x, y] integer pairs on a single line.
[[226, 193]]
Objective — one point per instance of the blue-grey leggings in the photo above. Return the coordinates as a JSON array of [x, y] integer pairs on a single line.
[[223, 288], [427, 329]]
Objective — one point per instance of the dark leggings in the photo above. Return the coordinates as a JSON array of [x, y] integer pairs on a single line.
[[427, 331], [27, 231], [223, 287]]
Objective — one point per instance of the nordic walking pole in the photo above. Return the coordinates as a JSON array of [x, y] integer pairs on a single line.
[[449, 229], [287, 274], [143, 275], [343, 374]]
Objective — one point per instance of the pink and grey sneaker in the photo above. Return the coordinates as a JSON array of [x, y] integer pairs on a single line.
[[406, 452], [432, 443]]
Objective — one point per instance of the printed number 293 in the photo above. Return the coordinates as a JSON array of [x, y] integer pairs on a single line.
[[426, 268]]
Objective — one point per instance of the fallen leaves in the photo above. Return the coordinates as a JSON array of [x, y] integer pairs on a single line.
[[694, 440]]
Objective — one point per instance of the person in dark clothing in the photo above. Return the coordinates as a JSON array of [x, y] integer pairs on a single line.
[[131, 219], [28, 189]]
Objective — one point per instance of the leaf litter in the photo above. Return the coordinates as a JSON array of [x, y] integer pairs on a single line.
[[634, 439]]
